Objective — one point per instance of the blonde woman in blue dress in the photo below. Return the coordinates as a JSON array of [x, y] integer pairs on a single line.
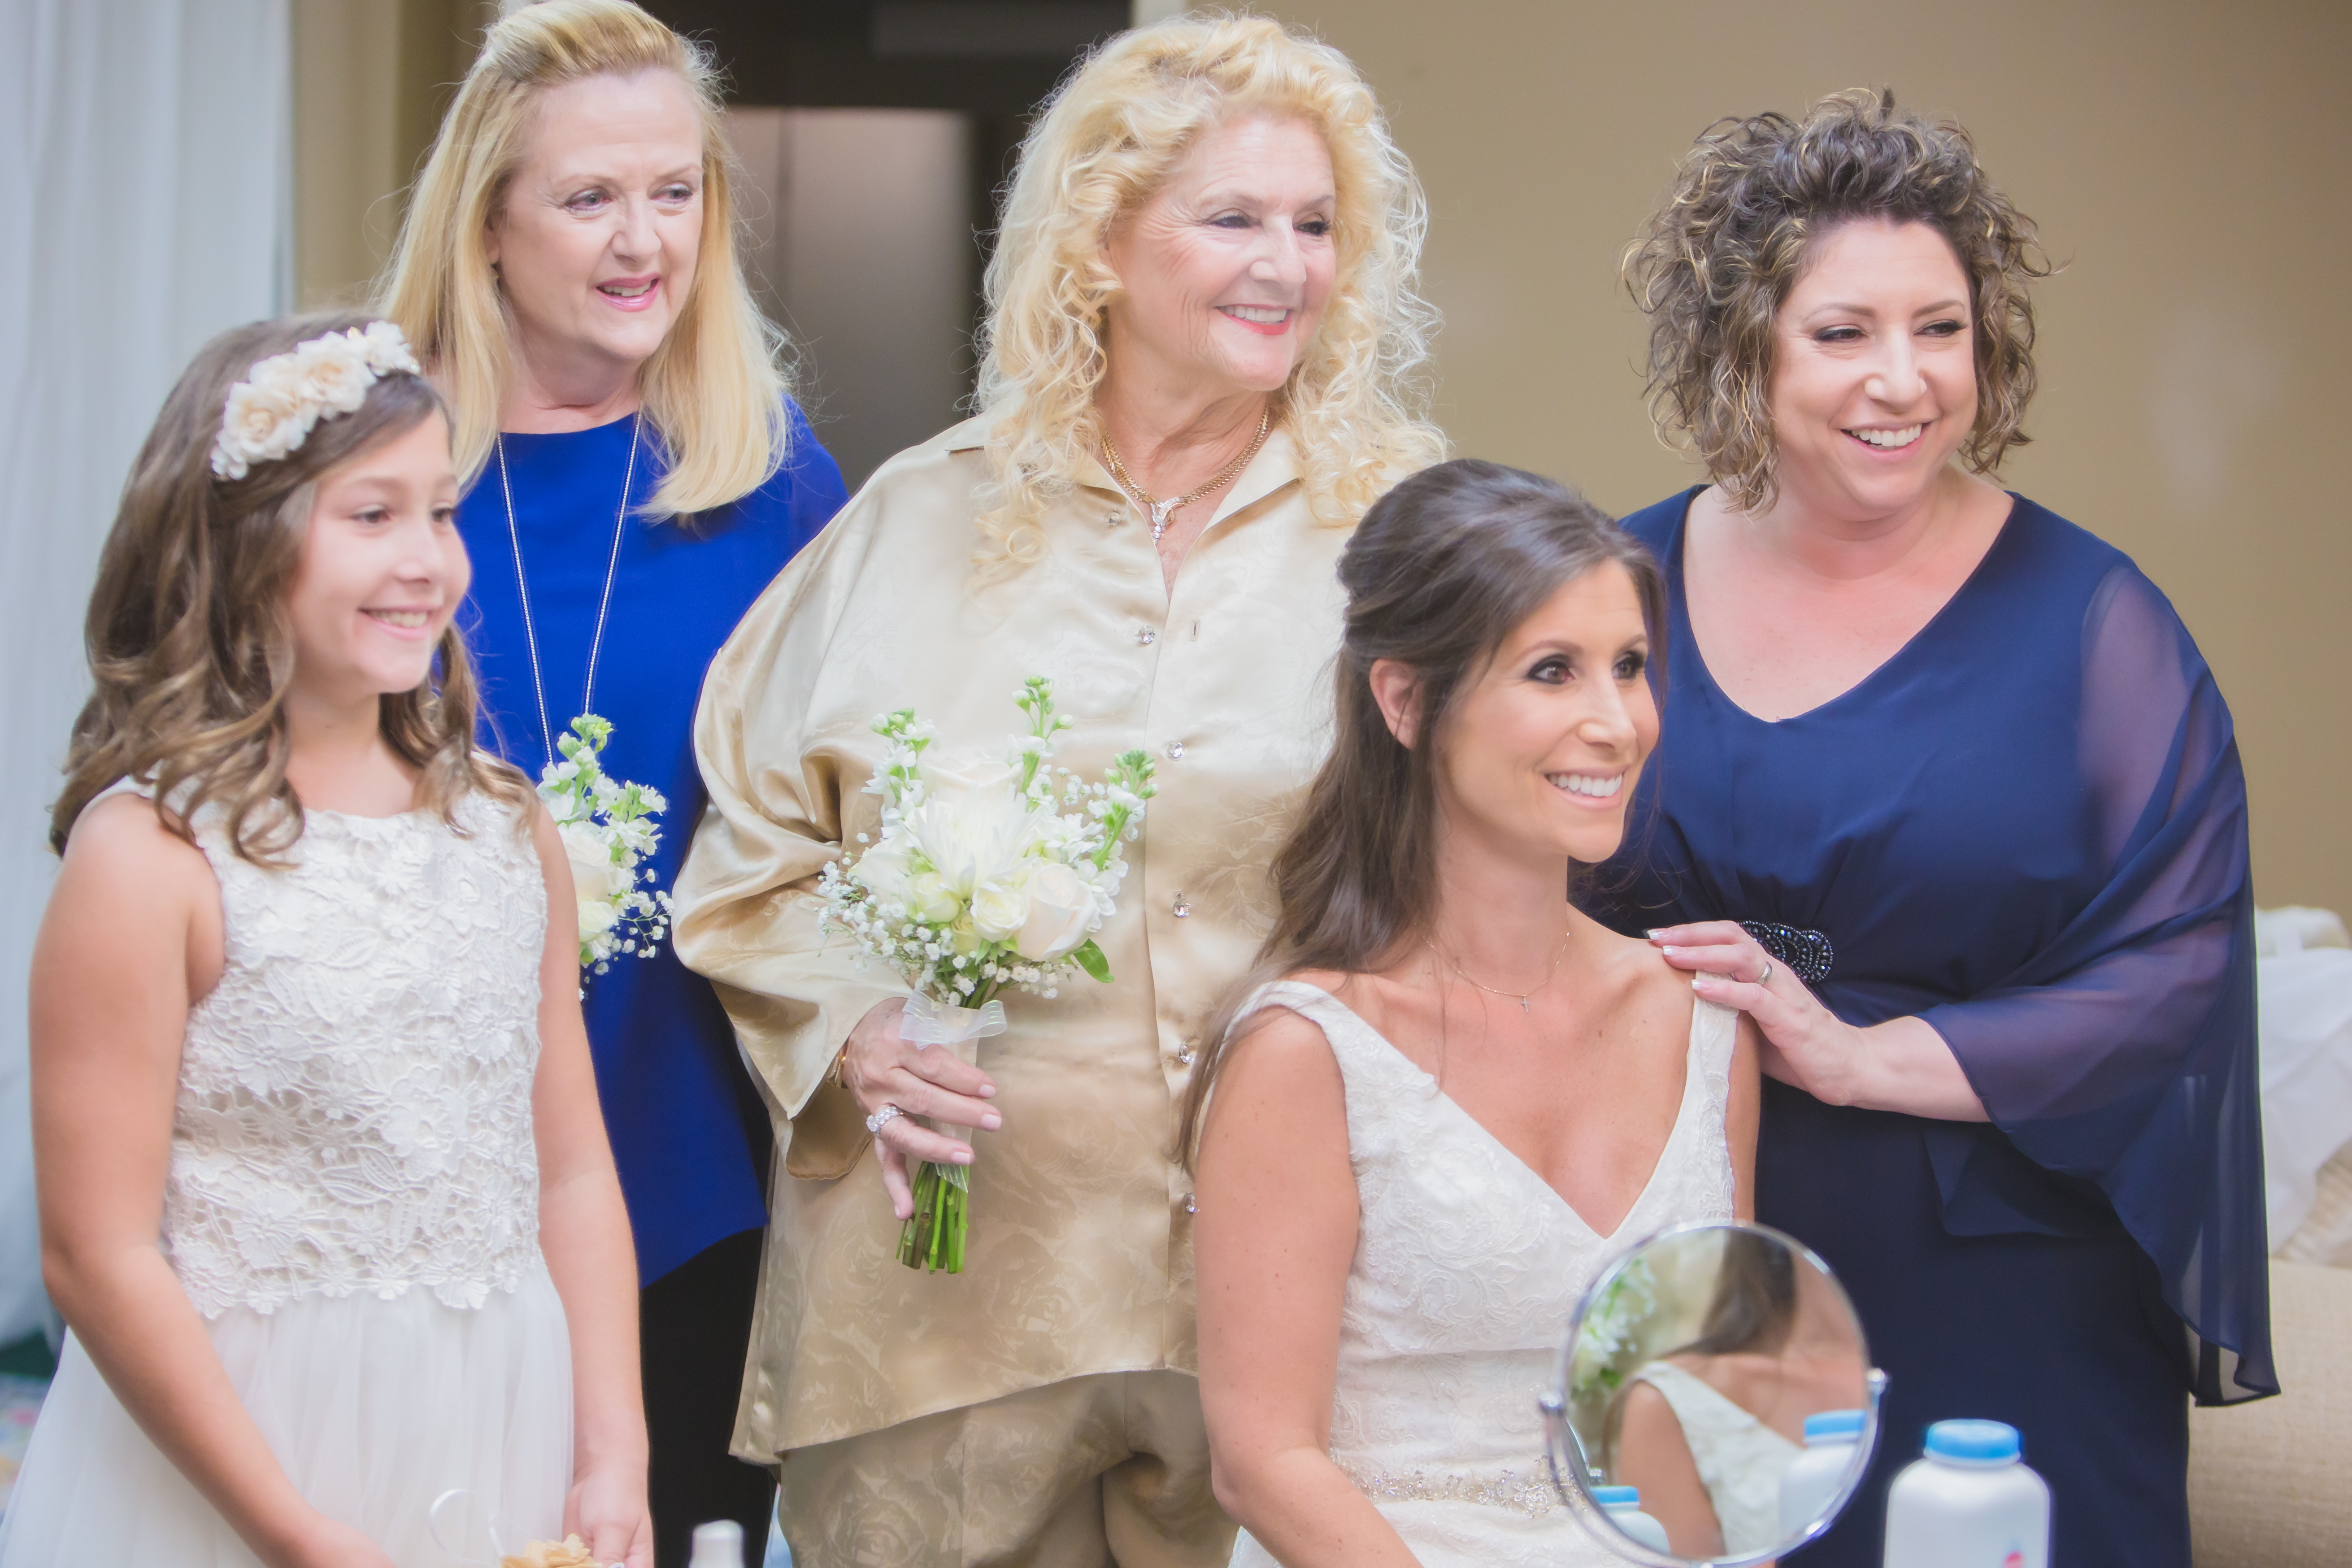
[[325, 1197], [1450, 1099]]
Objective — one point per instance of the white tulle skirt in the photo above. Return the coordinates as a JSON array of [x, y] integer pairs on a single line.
[[374, 1408]]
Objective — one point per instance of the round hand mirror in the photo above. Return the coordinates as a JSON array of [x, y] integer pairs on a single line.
[[1715, 1400]]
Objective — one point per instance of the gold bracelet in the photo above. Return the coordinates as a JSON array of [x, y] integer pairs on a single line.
[[840, 1057]]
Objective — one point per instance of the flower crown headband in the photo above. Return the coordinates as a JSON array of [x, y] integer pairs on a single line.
[[271, 412]]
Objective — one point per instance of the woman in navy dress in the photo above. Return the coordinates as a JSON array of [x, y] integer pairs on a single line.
[[1948, 802], [637, 475]]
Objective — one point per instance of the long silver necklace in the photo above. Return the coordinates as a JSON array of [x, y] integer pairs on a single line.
[[522, 585]]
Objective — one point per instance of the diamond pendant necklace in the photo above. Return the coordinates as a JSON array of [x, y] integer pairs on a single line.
[[1162, 513], [1525, 999], [522, 585]]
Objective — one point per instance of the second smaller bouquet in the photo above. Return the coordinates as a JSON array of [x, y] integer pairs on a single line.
[[985, 877]]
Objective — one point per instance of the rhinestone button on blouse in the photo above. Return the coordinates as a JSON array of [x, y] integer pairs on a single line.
[[1145, 637], [1182, 909], [1176, 751]]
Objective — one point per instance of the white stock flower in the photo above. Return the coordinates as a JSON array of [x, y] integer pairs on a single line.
[[1061, 911]]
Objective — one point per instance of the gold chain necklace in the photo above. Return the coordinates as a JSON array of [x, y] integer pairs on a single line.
[[1162, 513], [1525, 999]]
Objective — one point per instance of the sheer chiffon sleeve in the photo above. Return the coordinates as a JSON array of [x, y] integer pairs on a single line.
[[2122, 1052]]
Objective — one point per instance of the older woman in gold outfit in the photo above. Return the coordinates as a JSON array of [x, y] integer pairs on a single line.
[[1201, 331]]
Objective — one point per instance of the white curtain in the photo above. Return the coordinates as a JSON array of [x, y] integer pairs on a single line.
[[149, 180]]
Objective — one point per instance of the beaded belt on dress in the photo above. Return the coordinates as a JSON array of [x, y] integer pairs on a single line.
[[1521, 1491]]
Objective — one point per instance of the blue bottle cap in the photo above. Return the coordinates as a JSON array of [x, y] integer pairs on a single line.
[[1981, 1441], [1832, 1424], [1617, 1497]]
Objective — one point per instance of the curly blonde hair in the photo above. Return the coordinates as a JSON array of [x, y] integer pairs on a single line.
[[715, 389], [1108, 138], [1714, 264]]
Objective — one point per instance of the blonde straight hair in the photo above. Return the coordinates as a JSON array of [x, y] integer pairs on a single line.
[[716, 387], [1107, 141]]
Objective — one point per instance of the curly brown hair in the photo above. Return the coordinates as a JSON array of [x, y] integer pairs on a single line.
[[1714, 264], [191, 650]]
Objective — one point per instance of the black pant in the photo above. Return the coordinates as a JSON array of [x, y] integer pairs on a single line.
[[694, 1324]]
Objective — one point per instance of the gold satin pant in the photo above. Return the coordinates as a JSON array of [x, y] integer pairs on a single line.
[[1112, 1469]]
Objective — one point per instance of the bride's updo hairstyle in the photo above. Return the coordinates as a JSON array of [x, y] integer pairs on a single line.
[[191, 648], [1439, 573]]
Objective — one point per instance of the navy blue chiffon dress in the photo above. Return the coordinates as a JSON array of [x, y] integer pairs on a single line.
[[2027, 827]]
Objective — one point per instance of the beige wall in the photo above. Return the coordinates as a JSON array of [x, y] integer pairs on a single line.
[[371, 80], [2191, 164]]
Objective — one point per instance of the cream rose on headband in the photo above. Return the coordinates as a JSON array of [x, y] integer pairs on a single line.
[[273, 410]]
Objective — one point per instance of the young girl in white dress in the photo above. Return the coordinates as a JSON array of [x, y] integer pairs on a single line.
[[1448, 1098], [325, 1196]]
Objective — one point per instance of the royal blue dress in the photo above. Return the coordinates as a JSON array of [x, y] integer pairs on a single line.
[[2027, 827], [688, 1128]]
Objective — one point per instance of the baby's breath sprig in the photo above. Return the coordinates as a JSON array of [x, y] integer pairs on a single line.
[[608, 828]]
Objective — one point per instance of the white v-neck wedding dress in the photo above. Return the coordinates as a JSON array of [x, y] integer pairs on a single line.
[[1467, 1265]]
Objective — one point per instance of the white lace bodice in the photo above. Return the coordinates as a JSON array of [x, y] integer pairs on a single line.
[[1468, 1266], [1740, 1461], [354, 1104]]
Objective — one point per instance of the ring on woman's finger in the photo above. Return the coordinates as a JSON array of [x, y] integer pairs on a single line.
[[883, 1117], [1765, 976]]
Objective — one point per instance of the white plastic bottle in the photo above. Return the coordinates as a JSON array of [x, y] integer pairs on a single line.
[[1812, 1479], [1624, 1507], [1969, 1503], [719, 1544]]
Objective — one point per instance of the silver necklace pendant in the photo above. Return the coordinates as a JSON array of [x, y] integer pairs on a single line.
[[1163, 512]]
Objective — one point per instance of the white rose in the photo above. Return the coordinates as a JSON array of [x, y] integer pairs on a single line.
[[594, 875], [1061, 909], [597, 915], [332, 372], [931, 899], [1000, 909], [883, 871]]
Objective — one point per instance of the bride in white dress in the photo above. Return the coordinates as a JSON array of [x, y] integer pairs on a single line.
[[325, 1196], [1447, 1099]]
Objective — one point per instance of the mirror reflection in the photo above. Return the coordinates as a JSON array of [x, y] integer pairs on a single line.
[[1718, 1395]]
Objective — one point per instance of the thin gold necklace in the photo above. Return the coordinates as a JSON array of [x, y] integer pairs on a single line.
[[1162, 513], [1525, 999]]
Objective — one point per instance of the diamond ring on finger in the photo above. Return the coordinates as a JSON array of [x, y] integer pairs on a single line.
[[883, 1117]]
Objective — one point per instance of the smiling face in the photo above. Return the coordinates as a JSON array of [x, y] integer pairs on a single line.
[[1225, 272], [596, 239], [1543, 750], [1874, 385], [383, 570]]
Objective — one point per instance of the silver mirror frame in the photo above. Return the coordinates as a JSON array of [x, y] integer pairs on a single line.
[[1576, 1486]]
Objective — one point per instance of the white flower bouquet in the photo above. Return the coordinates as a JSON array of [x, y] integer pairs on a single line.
[[608, 828], [984, 877]]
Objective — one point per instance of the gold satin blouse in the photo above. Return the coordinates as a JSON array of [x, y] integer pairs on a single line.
[[1080, 1258]]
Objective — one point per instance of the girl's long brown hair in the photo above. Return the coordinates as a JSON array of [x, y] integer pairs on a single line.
[[1438, 573], [191, 649]]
